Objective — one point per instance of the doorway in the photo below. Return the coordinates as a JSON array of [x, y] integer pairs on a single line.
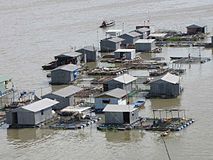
[[126, 117], [14, 118]]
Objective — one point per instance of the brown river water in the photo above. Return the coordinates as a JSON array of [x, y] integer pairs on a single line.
[[32, 32]]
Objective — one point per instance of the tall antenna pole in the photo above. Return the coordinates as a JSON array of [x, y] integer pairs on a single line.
[[97, 40], [123, 27]]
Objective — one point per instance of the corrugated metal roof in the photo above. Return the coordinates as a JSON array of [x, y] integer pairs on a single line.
[[168, 78], [71, 54], [40, 105], [132, 34], [75, 109], [125, 50], [117, 93], [114, 31], [145, 41], [143, 30], [125, 78], [119, 108], [68, 67], [116, 39], [194, 26], [158, 35], [68, 91], [87, 48], [171, 78], [4, 78]]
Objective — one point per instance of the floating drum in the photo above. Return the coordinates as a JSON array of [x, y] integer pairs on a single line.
[[178, 129]]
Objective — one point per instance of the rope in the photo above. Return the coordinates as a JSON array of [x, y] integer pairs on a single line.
[[166, 149]]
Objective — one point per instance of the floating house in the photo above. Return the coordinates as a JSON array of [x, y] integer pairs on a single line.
[[145, 32], [166, 86], [114, 96], [90, 53], [111, 44], [130, 38], [128, 54], [64, 96], [64, 75], [32, 114], [125, 81], [113, 33], [195, 29], [69, 57], [145, 45], [121, 114], [5, 85]]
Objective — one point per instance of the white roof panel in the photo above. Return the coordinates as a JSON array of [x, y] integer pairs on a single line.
[[72, 54], [68, 67], [143, 29], [145, 41], [75, 109], [133, 34], [168, 78], [158, 35], [125, 50], [40, 105], [117, 93], [114, 31], [125, 78], [116, 39], [119, 108], [67, 91], [171, 78]]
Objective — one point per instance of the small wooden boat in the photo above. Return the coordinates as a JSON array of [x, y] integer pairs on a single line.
[[107, 24], [177, 58], [49, 66]]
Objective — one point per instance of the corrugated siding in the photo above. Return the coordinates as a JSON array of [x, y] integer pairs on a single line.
[[9, 117], [114, 117], [115, 84], [145, 47], [61, 77], [63, 102], [100, 105], [127, 39], [91, 56], [109, 46], [159, 88], [25, 118], [47, 114]]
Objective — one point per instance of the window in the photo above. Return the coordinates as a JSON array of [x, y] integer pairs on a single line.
[[106, 101], [42, 112]]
